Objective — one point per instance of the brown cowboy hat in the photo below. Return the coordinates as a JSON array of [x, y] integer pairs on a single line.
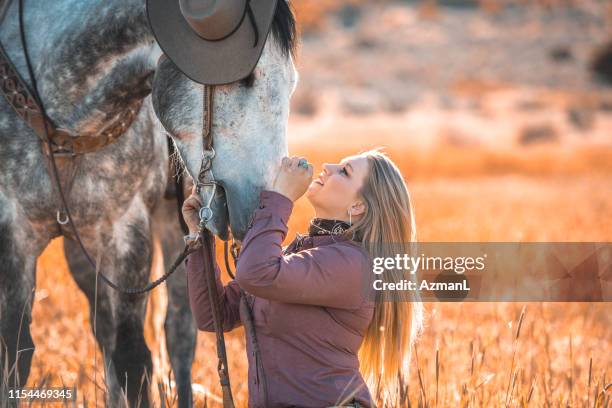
[[213, 42]]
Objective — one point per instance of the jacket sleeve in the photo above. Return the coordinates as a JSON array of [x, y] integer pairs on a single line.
[[332, 275], [197, 287]]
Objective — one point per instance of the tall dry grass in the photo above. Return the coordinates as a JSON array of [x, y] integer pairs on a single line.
[[477, 355]]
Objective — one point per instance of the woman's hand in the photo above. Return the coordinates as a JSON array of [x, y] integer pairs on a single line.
[[191, 211], [292, 180]]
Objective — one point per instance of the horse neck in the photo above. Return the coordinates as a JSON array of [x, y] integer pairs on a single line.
[[91, 59]]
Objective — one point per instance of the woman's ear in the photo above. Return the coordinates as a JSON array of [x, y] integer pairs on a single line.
[[357, 209]]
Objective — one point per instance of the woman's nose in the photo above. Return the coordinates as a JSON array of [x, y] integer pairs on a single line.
[[327, 168]]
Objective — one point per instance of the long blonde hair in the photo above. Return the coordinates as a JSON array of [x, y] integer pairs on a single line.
[[386, 228]]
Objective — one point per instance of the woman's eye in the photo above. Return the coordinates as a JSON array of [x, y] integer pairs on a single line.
[[344, 171]]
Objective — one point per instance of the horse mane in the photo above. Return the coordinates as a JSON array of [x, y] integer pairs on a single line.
[[283, 27]]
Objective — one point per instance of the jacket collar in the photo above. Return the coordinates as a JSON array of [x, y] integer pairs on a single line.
[[303, 241]]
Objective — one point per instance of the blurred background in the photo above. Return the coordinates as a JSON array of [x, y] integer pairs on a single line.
[[499, 114]]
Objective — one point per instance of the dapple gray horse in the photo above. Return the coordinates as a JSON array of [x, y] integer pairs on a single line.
[[92, 59]]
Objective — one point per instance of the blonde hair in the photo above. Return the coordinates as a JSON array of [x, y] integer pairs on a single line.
[[386, 228]]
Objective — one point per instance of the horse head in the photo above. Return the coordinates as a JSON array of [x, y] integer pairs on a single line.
[[249, 125]]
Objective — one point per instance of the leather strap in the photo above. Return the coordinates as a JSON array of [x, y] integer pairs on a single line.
[[19, 97], [246, 309], [249, 327], [65, 143], [213, 295], [209, 92]]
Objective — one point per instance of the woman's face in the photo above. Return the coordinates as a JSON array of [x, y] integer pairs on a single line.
[[336, 190]]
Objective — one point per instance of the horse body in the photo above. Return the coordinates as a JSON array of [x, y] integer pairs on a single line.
[[91, 61]]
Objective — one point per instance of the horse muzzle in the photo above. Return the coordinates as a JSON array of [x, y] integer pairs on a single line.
[[218, 223]]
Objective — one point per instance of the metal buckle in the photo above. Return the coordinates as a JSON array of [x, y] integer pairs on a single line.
[[205, 165], [59, 219], [206, 214], [57, 152], [62, 143], [63, 154]]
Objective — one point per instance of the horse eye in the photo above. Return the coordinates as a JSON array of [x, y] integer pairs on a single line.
[[248, 81]]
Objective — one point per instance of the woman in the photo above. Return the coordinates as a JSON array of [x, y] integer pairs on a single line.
[[318, 321]]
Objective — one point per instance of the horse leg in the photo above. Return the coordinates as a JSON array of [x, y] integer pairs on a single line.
[[126, 260], [100, 312], [17, 285], [181, 332]]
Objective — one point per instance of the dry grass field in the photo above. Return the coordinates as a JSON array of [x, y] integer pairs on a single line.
[[469, 354]]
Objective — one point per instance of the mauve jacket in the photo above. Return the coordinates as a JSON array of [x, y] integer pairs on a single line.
[[310, 309]]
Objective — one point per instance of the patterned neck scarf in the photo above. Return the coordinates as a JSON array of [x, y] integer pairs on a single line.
[[324, 226]]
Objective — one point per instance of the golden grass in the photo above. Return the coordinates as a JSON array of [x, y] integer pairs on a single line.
[[480, 355]]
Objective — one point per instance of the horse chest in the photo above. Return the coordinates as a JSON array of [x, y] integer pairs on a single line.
[[99, 186]]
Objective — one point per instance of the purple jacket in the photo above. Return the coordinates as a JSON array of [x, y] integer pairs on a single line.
[[309, 307]]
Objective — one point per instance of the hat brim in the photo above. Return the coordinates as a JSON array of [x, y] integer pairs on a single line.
[[210, 62]]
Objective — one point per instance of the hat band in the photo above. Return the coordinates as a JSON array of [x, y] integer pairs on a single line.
[[249, 11]]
